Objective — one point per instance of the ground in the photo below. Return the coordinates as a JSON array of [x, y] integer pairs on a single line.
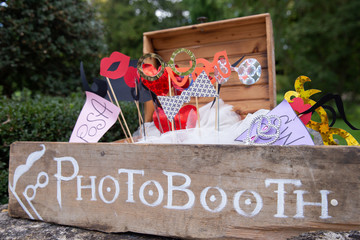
[[15, 228]]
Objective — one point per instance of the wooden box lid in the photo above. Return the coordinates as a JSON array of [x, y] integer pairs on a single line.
[[250, 36]]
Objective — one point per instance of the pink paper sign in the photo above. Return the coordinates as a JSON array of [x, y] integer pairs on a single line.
[[95, 119], [280, 126]]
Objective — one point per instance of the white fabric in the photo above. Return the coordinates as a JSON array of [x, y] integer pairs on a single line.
[[230, 127]]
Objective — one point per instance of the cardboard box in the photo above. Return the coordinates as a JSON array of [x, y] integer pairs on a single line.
[[251, 37]]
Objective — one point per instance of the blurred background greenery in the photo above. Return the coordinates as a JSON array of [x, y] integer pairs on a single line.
[[42, 42]]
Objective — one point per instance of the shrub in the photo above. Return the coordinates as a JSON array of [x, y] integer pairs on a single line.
[[43, 41], [45, 118]]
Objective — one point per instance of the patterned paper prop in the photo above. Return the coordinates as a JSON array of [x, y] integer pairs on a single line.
[[223, 68], [249, 71], [202, 87], [322, 127]]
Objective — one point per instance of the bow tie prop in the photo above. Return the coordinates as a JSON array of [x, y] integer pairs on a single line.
[[202, 87]]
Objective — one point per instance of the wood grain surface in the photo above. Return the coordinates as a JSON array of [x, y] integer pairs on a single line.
[[187, 191], [248, 37]]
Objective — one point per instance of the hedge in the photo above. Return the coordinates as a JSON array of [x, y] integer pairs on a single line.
[[44, 118]]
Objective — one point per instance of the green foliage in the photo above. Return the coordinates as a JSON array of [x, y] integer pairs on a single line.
[[323, 42], [4, 175], [43, 41], [126, 21], [44, 118]]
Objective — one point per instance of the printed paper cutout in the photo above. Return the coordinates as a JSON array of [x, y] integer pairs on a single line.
[[327, 132], [298, 105], [202, 87], [131, 76], [222, 64], [95, 119], [171, 62], [224, 71], [283, 120], [339, 105], [161, 86], [122, 89], [106, 63], [249, 71], [186, 118], [172, 105], [98, 87], [170, 68], [156, 75], [209, 67]]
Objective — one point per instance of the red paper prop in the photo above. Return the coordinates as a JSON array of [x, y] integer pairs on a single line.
[[130, 77], [299, 106], [121, 69], [209, 67], [169, 68], [161, 86], [185, 118]]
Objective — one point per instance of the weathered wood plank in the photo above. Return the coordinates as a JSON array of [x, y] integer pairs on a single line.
[[261, 57], [188, 191], [240, 93], [207, 51], [205, 36], [271, 62], [260, 18]]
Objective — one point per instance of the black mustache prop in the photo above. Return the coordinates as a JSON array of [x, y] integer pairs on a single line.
[[339, 105]]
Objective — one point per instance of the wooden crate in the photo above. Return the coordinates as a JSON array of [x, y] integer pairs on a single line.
[[187, 191], [251, 37]]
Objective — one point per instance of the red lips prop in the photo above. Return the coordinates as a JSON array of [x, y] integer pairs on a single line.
[[185, 118], [299, 106], [121, 69]]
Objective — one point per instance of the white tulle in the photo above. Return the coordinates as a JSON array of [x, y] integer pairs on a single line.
[[230, 127]]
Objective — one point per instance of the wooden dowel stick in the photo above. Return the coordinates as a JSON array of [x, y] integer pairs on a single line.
[[197, 111], [121, 113], [172, 121], [216, 107], [122, 127], [138, 109], [158, 117]]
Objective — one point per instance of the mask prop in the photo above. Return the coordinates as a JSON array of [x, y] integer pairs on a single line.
[[326, 131]]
